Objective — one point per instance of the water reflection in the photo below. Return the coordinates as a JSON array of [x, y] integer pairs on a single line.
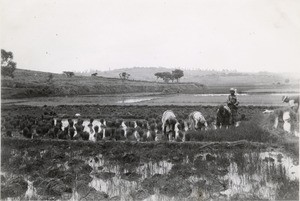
[[231, 175], [137, 100], [247, 176], [117, 180]]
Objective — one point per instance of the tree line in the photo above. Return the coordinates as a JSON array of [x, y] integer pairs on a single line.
[[167, 76]]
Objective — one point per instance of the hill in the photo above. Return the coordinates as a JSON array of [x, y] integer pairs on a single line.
[[209, 77], [27, 83]]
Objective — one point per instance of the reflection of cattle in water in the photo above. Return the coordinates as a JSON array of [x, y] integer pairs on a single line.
[[283, 119], [197, 121], [223, 116]]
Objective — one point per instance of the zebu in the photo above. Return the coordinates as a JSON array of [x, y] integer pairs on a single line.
[[170, 124], [197, 121], [223, 116]]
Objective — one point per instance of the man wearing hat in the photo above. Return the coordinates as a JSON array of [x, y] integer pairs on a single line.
[[233, 103], [292, 100]]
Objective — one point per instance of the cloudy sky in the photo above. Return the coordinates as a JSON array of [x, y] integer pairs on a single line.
[[247, 35]]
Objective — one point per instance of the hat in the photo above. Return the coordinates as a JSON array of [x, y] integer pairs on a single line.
[[284, 98], [232, 89]]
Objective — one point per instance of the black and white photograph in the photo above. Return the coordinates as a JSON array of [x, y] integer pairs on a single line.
[[150, 100]]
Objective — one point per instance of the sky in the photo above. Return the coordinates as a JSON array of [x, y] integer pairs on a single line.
[[78, 35]]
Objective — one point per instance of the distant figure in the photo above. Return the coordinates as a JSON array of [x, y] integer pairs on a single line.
[[94, 74], [233, 103], [293, 102]]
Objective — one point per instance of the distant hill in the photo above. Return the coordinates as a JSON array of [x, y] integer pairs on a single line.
[[27, 83], [210, 78]]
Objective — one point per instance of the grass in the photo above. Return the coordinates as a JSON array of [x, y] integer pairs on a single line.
[[247, 131], [34, 84], [28, 83]]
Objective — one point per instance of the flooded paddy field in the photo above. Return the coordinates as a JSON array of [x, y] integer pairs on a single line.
[[243, 163], [64, 170]]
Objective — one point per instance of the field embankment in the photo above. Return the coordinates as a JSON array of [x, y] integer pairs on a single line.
[[28, 83]]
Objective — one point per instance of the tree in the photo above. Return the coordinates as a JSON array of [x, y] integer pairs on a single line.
[[177, 74], [50, 78], [68, 73], [8, 66], [159, 75], [287, 81], [124, 76], [167, 76]]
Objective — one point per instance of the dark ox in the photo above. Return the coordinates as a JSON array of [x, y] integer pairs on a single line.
[[223, 116]]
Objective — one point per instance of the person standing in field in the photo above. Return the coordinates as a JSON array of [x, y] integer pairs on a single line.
[[293, 102], [233, 103]]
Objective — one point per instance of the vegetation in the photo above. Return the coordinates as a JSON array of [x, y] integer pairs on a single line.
[[124, 76], [177, 74], [68, 73], [31, 84], [50, 78], [209, 77], [167, 76], [8, 66], [248, 131]]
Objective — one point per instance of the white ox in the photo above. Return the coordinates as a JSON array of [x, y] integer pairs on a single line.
[[170, 124], [197, 121]]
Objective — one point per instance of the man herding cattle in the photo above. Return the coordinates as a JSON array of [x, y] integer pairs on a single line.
[[293, 102], [233, 103]]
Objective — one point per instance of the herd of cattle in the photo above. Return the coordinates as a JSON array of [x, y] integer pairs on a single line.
[[166, 128]]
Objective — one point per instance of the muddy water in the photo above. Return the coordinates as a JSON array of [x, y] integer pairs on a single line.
[[254, 175], [249, 175], [234, 175], [135, 100]]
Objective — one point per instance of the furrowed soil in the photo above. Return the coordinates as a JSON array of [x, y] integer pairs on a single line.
[[46, 169]]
